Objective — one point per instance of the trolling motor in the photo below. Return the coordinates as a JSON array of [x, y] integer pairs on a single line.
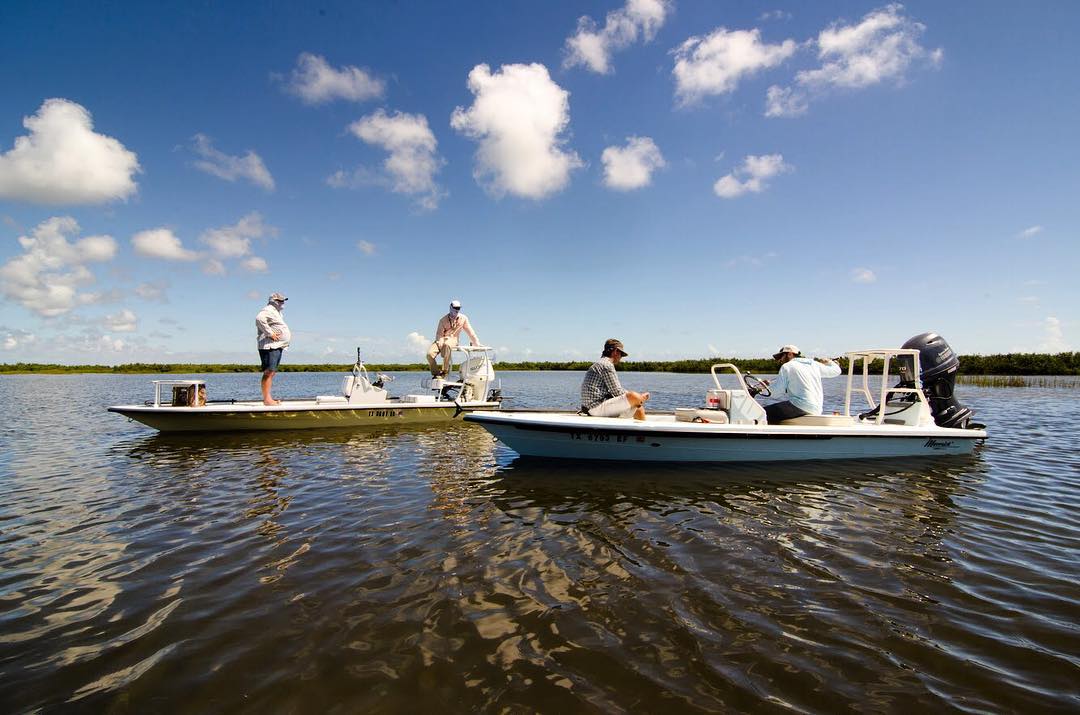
[[938, 365]]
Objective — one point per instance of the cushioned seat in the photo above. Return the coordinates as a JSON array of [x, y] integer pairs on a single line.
[[820, 421]]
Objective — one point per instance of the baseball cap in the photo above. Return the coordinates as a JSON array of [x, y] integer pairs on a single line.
[[278, 297], [786, 349], [455, 303], [613, 344]]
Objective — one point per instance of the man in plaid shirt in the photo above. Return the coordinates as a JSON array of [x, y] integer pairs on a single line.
[[601, 393]]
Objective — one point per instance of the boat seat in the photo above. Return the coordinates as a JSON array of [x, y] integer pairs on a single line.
[[819, 421]]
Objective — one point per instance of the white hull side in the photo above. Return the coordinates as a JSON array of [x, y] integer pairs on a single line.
[[721, 443]]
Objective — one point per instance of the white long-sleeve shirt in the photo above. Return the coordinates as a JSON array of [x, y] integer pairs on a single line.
[[268, 322], [800, 380]]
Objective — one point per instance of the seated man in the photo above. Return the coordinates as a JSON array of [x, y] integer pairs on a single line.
[[800, 380], [601, 393]]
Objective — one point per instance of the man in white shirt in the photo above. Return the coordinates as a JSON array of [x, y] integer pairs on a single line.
[[446, 337], [273, 337], [800, 380]]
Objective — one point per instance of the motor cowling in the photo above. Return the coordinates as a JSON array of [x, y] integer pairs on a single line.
[[938, 365]]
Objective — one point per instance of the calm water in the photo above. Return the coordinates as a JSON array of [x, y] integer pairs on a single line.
[[423, 569]]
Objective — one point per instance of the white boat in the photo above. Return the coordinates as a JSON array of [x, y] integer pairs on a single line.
[[732, 427], [361, 402]]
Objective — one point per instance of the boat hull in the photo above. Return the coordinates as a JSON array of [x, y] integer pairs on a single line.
[[625, 440], [292, 416]]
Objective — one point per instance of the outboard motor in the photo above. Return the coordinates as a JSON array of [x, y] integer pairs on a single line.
[[939, 364]]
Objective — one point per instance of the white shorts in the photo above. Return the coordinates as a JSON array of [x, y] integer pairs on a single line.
[[614, 407]]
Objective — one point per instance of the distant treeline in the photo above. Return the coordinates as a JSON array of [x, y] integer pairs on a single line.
[[1008, 364]]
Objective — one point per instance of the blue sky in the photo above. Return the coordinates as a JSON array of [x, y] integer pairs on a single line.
[[695, 178]]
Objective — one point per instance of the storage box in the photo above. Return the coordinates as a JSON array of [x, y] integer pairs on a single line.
[[188, 395]]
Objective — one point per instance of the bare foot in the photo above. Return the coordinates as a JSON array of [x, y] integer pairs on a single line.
[[271, 403]]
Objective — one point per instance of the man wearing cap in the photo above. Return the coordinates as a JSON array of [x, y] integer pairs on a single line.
[[446, 338], [601, 393], [273, 336], [800, 379]]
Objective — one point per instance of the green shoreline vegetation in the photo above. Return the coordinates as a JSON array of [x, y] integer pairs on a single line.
[[1011, 364]]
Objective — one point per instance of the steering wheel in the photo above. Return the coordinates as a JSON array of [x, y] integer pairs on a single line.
[[756, 386]]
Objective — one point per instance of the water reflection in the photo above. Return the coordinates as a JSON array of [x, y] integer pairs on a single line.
[[402, 569]]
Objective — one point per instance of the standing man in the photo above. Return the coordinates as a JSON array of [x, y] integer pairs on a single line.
[[273, 336], [601, 393], [446, 337], [800, 380]]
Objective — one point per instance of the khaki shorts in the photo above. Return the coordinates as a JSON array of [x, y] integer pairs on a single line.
[[614, 407]]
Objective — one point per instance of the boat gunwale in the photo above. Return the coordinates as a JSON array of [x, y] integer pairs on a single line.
[[250, 407], [673, 428]]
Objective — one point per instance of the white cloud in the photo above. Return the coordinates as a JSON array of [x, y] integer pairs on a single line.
[[592, 47], [417, 341], [1053, 337], [883, 46], [254, 264], [751, 176], [15, 338], [863, 275], [1030, 232], [358, 178], [518, 116], [235, 241], [775, 15], [713, 350], [122, 322], [716, 63], [631, 167], [153, 292], [213, 267], [63, 161], [314, 81], [785, 102], [366, 247], [412, 163], [249, 166], [47, 276], [161, 243]]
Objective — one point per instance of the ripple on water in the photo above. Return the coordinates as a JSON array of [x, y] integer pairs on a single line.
[[390, 570]]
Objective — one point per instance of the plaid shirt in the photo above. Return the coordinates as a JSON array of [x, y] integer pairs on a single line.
[[601, 383]]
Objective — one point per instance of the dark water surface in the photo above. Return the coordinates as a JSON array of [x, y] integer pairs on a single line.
[[426, 569]]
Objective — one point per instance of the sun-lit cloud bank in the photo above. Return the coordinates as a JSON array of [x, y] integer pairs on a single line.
[[412, 164], [229, 242], [882, 47], [631, 167], [714, 64], [1053, 337], [123, 322], [48, 276], [751, 176], [518, 117], [163, 244], [592, 47], [64, 161]]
